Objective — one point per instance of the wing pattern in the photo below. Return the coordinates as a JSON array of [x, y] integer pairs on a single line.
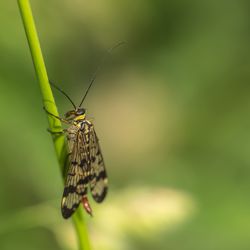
[[98, 178], [86, 169]]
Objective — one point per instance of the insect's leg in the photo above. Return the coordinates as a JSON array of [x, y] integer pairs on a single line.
[[56, 132], [55, 116]]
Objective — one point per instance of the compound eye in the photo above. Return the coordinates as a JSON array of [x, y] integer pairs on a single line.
[[80, 112]]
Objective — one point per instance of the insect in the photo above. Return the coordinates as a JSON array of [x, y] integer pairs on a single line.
[[86, 165]]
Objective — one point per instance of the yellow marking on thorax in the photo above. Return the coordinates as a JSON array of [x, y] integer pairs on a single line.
[[79, 117]]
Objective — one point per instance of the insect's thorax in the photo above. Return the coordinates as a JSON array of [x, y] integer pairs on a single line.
[[80, 118], [80, 124], [78, 132]]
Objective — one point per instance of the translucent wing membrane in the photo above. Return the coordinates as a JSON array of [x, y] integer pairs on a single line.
[[86, 169], [98, 180], [78, 175]]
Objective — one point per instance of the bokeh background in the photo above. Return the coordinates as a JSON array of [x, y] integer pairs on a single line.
[[171, 109]]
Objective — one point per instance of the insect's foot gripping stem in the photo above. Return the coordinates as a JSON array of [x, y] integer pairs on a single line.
[[55, 116], [86, 206], [48, 111], [55, 132]]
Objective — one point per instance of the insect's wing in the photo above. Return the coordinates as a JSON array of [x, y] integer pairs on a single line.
[[98, 178], [77, 179]]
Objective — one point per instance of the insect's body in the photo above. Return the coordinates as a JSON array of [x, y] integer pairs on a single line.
[[86, 166]]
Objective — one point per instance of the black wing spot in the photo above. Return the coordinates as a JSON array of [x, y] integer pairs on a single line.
[[67, 212], [101, 175], [99, 198], [83, 162], [74, 163], [68, 190]]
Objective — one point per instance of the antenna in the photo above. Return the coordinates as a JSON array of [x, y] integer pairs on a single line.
[[98, 69], [60, 90]]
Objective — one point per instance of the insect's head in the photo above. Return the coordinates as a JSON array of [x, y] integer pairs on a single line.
[[77, 114]]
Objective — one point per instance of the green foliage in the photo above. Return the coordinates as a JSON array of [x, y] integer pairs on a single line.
[[170, 109]]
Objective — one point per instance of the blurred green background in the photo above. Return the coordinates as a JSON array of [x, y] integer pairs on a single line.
[[171, 109]]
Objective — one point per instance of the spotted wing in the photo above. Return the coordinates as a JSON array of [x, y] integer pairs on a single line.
[[98, 178], [78, 175]]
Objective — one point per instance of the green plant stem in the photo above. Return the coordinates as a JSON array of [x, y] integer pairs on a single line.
[[49, 104]]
